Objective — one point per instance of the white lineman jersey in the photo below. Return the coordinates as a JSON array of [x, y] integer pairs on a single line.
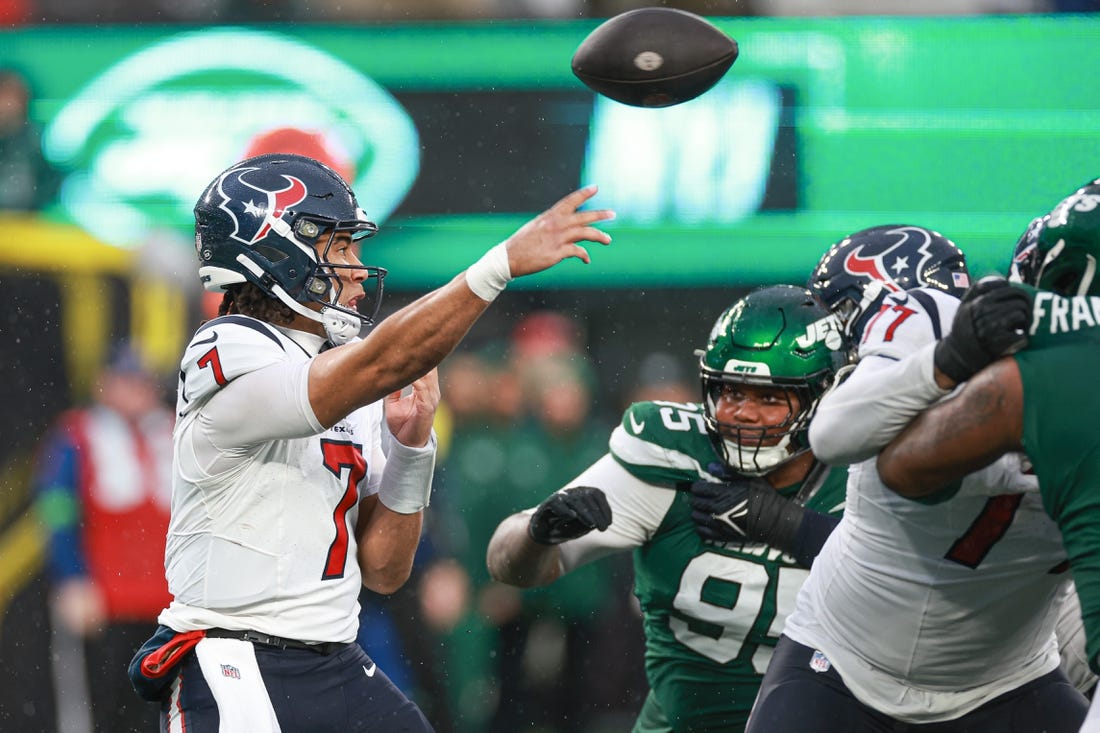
[[265, 500], [928, 610]]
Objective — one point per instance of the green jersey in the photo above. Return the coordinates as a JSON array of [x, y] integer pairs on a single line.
[[1061, 402], [713, 612]]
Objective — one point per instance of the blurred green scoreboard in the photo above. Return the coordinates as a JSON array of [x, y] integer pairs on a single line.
[[454, 134]]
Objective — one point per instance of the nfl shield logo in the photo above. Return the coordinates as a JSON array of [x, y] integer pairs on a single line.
[[819, 663], [228, 670]]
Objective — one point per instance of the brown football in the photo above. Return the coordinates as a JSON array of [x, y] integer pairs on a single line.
[[654, 57]]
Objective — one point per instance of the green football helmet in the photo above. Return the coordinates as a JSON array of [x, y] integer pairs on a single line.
[[1068, 245], [778, 336]]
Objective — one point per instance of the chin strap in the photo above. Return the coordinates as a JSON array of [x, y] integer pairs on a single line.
[[340, 327]]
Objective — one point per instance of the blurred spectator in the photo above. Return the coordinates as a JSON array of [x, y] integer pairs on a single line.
[[660, 376], [523, 419], [482, 401], [552, 667], [103, 482], [27, 181]]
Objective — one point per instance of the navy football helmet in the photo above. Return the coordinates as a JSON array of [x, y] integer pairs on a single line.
[[858, 271], [271, 220], [1067, 245]]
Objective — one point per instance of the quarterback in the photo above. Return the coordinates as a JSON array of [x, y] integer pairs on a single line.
[[302, 464], [713, 603]]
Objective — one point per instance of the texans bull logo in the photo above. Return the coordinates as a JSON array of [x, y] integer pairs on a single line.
[[255, 205], [875, 268]]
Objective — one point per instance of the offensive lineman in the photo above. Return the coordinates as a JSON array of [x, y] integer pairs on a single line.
[[284, 502], [712, 610], [939, 613], [1042, 400]]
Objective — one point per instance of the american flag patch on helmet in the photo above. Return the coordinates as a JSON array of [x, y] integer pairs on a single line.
[[961, 279]]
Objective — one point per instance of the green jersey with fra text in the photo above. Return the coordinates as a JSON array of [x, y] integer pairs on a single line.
[[712, 612], [1061, 401]]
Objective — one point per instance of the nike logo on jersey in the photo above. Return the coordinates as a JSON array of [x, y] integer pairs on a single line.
[[636, 426], [370, 672], [212, 339]]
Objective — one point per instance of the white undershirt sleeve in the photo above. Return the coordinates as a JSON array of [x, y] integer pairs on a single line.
[[637, 510]]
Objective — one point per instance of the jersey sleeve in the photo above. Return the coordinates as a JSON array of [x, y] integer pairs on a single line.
[[663, 443], [892, 382], [907, 321], [637, 510], [238, 388], [220, 352]]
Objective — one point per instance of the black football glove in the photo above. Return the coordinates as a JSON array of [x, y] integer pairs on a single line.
[[743, 509], [569, 514], [992, 321], [721, 510]]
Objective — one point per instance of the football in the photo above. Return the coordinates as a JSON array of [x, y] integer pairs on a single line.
[[654, 57]]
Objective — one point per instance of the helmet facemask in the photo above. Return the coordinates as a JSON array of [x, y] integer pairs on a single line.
[[779, 339], [756, 450]]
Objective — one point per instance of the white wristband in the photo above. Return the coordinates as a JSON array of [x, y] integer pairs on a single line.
[[488, 276], [407, 478]]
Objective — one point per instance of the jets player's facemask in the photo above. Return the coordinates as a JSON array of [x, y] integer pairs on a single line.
[[779, 346], [275, 221], [778, 422]]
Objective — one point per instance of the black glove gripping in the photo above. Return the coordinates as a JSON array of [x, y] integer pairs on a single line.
[[569, 514], [721, 510], [992, 321]]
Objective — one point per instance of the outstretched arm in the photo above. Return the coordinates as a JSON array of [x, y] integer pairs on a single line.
[[524, 549], [516, 559], [411, 342], [959, 435]]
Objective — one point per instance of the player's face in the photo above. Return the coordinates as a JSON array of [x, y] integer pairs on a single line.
[[343, 251], [763, 408]]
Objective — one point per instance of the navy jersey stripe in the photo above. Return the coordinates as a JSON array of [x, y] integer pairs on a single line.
[[257, 326], [929, 304]]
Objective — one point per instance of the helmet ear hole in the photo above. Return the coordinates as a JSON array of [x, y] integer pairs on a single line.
[[271, 254]]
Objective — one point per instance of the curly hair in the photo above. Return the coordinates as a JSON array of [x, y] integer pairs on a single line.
[[248, 300]]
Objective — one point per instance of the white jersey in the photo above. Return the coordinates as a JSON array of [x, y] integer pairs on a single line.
[[927, 610], [265, 500]]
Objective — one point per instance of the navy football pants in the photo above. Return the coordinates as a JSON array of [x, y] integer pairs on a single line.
[[264, 689], [794, 698]]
